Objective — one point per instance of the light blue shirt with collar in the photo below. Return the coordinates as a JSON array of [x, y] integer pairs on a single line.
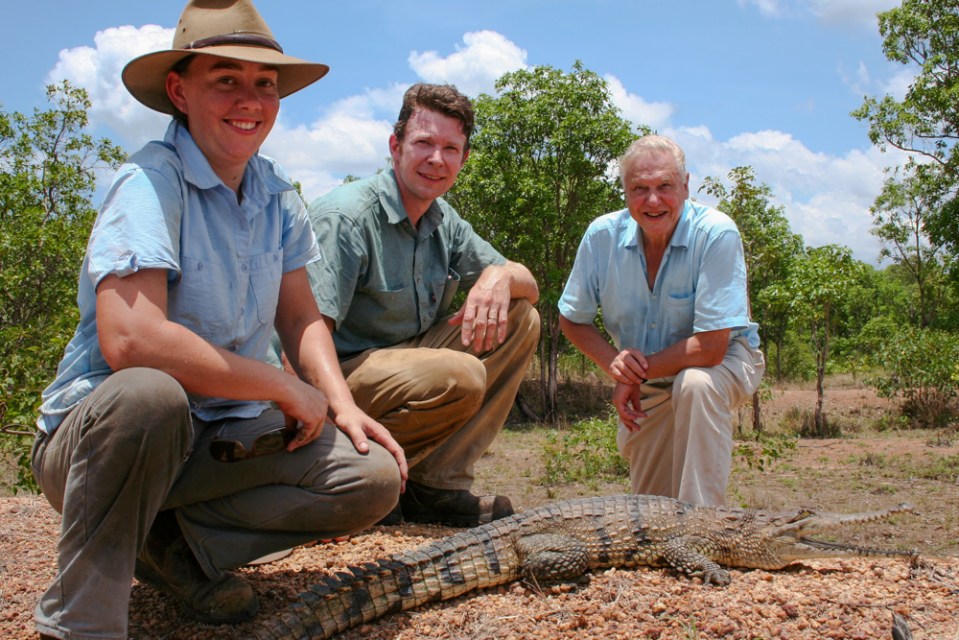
[[700, 286], [224, 259]]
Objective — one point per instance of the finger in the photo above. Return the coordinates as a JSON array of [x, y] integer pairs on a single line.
[[360, 443], [477, 333], [495, 327], [305, 434], [458, 317], [469, 327]]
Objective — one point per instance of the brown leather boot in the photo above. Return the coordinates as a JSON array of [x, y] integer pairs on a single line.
[[168, 564], [458, 508]]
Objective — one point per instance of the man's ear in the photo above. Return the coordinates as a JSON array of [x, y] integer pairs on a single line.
[[466, 156], [395, 145]]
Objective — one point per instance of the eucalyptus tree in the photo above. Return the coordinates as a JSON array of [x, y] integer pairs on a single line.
[[542, 165], [48, 171], [900, 220], [923, 35], [769, 244], [818, 285]]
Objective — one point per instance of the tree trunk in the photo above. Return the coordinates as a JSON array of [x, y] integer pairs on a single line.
[[757, 413], [551, 409]]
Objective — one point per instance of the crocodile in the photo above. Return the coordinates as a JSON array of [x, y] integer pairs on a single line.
[[563, 541]]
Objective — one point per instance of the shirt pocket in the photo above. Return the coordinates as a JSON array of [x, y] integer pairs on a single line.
[[266, 272], [202, 299], [679, 316], [394, 308]]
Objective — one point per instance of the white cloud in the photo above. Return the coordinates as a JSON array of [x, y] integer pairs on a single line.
[[825, 198], [635, 109], [897, 85], [855, 13], [97, 69], [861, 13], [474, 68], [350, 138], [770, 8]]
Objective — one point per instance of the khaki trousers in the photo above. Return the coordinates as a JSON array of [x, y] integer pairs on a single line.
[[443, 404], [683, 449]]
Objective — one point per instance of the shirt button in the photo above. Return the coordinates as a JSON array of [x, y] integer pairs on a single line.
[[244, 268]]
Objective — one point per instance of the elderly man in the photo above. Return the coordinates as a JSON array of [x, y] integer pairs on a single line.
[[394, 253], [670, 277], [173, 449]]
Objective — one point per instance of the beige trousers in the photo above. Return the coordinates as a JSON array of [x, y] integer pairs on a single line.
[[443, 404], [683, 449]]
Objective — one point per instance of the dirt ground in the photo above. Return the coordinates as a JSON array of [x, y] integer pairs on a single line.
[[831, 598]]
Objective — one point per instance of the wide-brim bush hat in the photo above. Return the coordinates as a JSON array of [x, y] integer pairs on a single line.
[[226, 28]]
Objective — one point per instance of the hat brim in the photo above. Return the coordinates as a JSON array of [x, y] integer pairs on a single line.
[[145, 77]]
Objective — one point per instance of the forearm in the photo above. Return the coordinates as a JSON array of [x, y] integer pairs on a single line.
[[200, 367], [312, 355], [705, 349], [588, 339]]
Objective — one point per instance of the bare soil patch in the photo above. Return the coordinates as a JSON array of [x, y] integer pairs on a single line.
[[830, 598]]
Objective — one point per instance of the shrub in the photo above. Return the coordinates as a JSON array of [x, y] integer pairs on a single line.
[[921, 374], [586, 452]]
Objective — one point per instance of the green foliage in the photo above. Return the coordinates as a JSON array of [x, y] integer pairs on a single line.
[[921, 371], [765, 450], [900, 216], [539, 172], [924, 35], [587, 452], [818, 284], [768, 243], [48, 169]]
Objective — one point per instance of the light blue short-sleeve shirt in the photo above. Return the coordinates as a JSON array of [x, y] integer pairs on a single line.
[[700, 286], [224, 259]]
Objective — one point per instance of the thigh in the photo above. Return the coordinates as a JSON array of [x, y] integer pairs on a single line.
[[385, 380], [324, 464], [136, 421]]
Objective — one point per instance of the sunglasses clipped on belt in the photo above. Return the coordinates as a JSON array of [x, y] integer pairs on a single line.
[[265, 444]]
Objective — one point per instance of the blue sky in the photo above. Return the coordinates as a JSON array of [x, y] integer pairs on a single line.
[[765, 83]]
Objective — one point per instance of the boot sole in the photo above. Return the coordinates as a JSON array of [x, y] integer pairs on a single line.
[[148, 576]]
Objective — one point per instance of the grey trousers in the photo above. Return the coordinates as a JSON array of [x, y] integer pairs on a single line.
[[132, 449], [683, 449]]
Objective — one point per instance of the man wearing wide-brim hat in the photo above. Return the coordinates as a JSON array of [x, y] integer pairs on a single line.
[[172, 448]]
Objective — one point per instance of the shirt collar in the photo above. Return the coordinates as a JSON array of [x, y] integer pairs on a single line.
[[260, 180], [389, 192], [680, 237]]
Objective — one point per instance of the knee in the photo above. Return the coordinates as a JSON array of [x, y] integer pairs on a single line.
[[465, 376], [524, 320], [693, 384], [151, 407], [375, 492]]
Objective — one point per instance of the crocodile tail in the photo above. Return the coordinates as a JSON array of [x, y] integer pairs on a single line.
[[446, 569]]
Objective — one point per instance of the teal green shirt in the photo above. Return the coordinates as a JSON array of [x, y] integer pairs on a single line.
[[381, 279]]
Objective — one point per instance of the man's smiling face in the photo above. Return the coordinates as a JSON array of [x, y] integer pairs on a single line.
[[656, 192], [428, 158]]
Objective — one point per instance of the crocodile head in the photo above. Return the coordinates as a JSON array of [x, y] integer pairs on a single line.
[[772, 540]]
